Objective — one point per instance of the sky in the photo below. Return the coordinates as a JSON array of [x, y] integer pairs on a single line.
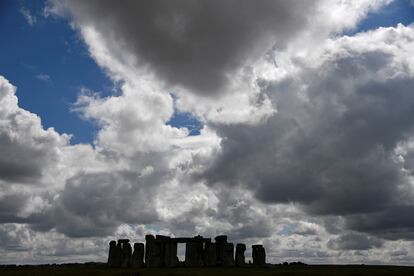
[[285, 123]]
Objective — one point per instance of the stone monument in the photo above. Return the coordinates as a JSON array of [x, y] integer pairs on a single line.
[[161, 251], [258, 255]]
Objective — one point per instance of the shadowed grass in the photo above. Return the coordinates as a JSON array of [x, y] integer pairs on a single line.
[[277, 270]]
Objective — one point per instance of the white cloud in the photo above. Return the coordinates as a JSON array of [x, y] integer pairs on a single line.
[[30, 18], [27, 149], [43, 77]]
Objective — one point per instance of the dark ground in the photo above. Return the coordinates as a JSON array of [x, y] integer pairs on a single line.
[[267, 271]]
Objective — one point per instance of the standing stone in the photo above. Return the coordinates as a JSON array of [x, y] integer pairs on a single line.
[[190, 254], [152, 252], [112, 254], [221, 241], [228, 257], [118, 255], [210, 254], [240, 260], [137, 259], [194, 252], [126, 253], [192, 257], [258, 255], [170, 254], [149, 241]]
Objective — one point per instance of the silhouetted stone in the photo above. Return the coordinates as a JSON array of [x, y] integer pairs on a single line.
[[118, 255], [161, 251], [161, 241], [137, 259], [152, 252], [170, 254], [210, 254], [194, 252], [162, 238], [228, 257], [112, 254], [126, 254], [221, 239], [258, 255], [167, 251], [240, 260], [220, 244]]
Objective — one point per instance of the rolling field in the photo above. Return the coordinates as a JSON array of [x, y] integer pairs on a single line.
[[276, 270]]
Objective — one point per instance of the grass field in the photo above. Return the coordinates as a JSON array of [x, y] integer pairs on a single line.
[[277, 270]]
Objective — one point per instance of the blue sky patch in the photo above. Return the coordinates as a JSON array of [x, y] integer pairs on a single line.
[[288, 229], [49, 63], [187, 120], [398, 11]]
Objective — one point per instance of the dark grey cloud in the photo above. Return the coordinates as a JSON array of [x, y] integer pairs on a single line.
[[10, 206], [193, 43], [91, 204], [21, 160], [27, 150], [393, 223], [354, 241], [95, 204], [332, 153], [246, 220]]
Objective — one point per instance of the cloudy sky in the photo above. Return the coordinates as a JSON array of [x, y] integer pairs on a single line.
[[287, 123]]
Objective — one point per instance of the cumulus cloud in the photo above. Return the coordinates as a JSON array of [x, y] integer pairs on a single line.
[[30, 156], [354, 241], [306, 229], [393, 222], [201, 53], [331, 145], [96, 204], [52, 185], [41, 175], [26, 147], [89, 191]]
